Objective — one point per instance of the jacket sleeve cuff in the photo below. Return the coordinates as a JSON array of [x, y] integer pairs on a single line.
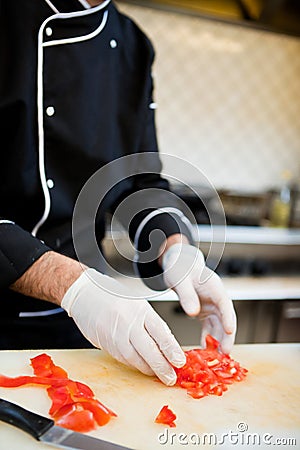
[[153, 230], [18, 251]]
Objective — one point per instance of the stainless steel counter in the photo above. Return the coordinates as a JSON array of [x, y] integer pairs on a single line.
[[268, 305], [248, 235]]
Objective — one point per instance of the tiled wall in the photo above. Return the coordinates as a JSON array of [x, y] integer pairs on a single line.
[[228, 97]]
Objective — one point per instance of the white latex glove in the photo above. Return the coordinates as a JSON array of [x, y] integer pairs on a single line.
[[126, 327], [201, 293]]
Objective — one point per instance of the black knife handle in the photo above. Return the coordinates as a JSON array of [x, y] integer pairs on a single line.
[[28, 421]]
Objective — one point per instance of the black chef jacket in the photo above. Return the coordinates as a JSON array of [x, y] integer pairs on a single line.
[[75, 94]]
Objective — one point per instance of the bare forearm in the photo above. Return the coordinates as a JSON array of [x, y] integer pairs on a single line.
[[52, 274], [49, 277]]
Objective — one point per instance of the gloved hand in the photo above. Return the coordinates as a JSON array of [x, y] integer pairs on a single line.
[[128, 328], [201, 293]]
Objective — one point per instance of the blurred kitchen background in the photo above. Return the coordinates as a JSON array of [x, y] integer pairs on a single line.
[[227, 85]]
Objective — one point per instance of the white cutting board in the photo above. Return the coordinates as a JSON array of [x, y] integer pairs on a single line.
[[267, 403]]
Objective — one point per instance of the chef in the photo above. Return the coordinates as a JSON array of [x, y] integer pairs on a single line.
[[75, 95]]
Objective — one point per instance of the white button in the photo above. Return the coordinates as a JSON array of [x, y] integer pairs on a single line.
[[50, 183], [113, 43], [50, 111], [153, 105], [49, 31]]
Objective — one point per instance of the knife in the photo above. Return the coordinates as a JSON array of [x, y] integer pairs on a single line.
[[44, 430]]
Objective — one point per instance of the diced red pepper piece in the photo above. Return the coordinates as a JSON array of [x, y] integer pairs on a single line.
[[211, 343], [166, 416]]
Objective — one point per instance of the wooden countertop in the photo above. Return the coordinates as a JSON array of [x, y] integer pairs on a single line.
[[266, 403]]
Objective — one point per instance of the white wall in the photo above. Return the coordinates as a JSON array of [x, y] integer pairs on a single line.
[[228, 96]]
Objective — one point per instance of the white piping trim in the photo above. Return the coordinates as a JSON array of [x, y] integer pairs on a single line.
[[52, 6], [156, 213], [47, 312], [85, 4], [41, 129], [80, 38], [40, 108], [7, 221]]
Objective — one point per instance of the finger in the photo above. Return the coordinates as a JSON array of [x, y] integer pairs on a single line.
[[206, 329], [215, 290], [149, 351], [110, 348], [133, 358], [227, 343], [211, 325], [188, 297], [162, 335], [228, 315]]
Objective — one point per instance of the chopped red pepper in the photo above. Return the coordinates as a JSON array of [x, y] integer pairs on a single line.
[[73, 403], [208, 371], [26, 379], [166, 416], [74, 417], [43, 366]]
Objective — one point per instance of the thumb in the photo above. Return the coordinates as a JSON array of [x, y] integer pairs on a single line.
[[188, 297]]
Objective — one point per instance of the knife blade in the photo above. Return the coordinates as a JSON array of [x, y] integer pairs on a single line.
[[44, 430]]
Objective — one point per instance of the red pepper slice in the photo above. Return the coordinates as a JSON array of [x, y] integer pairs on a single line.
[[75, 417], [73, 403], [26, 379], [101, 413], [43, 366], [166, 416], [60, 396]]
